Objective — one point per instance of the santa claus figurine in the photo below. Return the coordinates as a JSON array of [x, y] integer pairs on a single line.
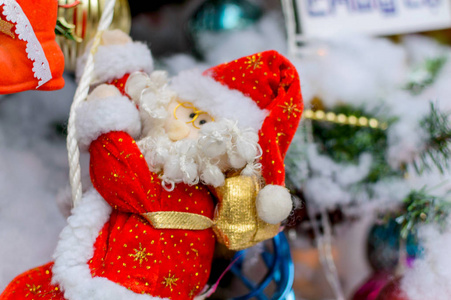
[[163, 154]]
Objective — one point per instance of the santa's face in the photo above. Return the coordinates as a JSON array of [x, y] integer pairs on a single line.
[[185, 144], [185, 120]]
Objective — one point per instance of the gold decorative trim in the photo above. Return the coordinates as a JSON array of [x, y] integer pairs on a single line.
[[321, 115], [178, 220]]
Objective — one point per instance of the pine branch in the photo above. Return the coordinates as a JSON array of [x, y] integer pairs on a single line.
[[437, 151], [422, 208], [425, 74], [345, 143], [63, 28]]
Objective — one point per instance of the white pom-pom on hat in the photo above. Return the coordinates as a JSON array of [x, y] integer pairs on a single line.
[[274, 204]]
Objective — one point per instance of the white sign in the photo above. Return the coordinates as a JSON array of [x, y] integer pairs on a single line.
[[323, 18]]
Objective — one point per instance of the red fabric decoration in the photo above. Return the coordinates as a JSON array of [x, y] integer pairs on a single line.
[[120, 84], [33, 284], [273, 83], [129, 251], [16, 74]]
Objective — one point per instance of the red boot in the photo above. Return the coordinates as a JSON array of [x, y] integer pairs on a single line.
[[43, 65]]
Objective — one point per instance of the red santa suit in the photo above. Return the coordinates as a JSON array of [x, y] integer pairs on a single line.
[[131, 256], [168, 263]]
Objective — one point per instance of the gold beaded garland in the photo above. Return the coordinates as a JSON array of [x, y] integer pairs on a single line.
[[320, 115]]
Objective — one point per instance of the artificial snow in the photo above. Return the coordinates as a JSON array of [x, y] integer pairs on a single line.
[[33, 167], [430, 275]]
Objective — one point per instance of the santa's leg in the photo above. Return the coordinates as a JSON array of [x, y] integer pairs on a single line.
[[32, 284]]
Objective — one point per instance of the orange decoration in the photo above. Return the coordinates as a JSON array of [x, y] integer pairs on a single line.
[[16, 74]]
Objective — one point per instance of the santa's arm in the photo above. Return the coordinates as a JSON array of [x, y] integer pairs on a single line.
[[120, 174], [107, 124]]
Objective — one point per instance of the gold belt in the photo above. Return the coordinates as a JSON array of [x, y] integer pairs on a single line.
[[178, 220]]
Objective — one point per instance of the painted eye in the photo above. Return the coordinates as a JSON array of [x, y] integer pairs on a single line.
[[202, 122], [192, 115]]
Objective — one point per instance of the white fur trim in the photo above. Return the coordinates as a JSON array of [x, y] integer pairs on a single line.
[[98, 116], [217, 99], [274, 204], [76, 246], [114, 61]]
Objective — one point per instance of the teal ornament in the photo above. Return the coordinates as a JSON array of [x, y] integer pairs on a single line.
[[413, 247], [219, 16], [383, 246]]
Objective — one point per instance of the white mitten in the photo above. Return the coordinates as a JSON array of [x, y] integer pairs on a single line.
[[105, 110]]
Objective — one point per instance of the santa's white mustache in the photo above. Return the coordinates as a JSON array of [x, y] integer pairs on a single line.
[[221, 145]]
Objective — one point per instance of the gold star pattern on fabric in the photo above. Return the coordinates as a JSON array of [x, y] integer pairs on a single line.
[[254, 61], [169, 281], [6, 28], [33, 289], [140, 254], [290, 108], [279, 134], [193, 292]]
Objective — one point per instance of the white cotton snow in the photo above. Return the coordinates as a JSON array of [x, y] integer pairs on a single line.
[[33, 167], [430, 276], [355, 70]]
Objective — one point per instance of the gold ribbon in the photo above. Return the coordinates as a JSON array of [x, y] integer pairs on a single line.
[[178, 220], [235, 224]]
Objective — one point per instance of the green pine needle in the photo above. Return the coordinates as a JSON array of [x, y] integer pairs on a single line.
[[63, 28], [425, 74], [345, 143], [437, 151], [422, 208]]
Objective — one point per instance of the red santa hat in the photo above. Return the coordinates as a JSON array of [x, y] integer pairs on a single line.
[[261, 91]]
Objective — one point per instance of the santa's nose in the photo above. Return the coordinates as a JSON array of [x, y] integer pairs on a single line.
[[177, 130]]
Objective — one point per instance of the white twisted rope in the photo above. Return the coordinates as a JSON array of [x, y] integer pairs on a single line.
[[80, 96]]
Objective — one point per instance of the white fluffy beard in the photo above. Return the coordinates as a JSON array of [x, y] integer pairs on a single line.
[[221, 146]]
